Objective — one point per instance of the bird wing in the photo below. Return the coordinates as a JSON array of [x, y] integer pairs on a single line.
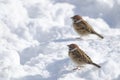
[[87, 26], [82, 56], [81, 25]]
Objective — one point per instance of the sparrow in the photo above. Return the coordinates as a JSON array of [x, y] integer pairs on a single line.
[[82, 27], [79, 57]]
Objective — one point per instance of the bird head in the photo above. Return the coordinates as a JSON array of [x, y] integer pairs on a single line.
[[76, 18], [72, 46]]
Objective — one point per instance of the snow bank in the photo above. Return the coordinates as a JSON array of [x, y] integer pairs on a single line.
[[34, 35]]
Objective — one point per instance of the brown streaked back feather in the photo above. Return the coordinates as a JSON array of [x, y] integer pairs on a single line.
[[84, 25], [81, 54], [88, 26]]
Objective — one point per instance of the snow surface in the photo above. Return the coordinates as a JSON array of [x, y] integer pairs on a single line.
[[34, 35]]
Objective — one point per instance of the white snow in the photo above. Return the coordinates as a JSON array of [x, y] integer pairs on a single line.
[[34, 35]]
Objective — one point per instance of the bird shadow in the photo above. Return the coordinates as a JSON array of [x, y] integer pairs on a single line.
[[73, 39], [67, 39]]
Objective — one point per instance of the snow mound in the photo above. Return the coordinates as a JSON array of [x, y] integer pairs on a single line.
[[34, 35]]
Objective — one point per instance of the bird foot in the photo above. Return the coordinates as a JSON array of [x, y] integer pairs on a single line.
[[77, 68]]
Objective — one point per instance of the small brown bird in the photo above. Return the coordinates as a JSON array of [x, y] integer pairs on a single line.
[[79, 57], [82, 27]]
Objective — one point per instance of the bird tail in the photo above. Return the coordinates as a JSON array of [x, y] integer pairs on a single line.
[[96, 65], [99, 35]]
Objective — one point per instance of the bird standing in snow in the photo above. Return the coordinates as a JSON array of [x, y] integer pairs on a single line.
[[79, 57], [82, 27]]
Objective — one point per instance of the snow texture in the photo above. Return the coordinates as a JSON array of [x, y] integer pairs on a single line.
[[34, 35]]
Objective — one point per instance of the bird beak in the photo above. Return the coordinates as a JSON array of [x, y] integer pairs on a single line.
[[71, 17]]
